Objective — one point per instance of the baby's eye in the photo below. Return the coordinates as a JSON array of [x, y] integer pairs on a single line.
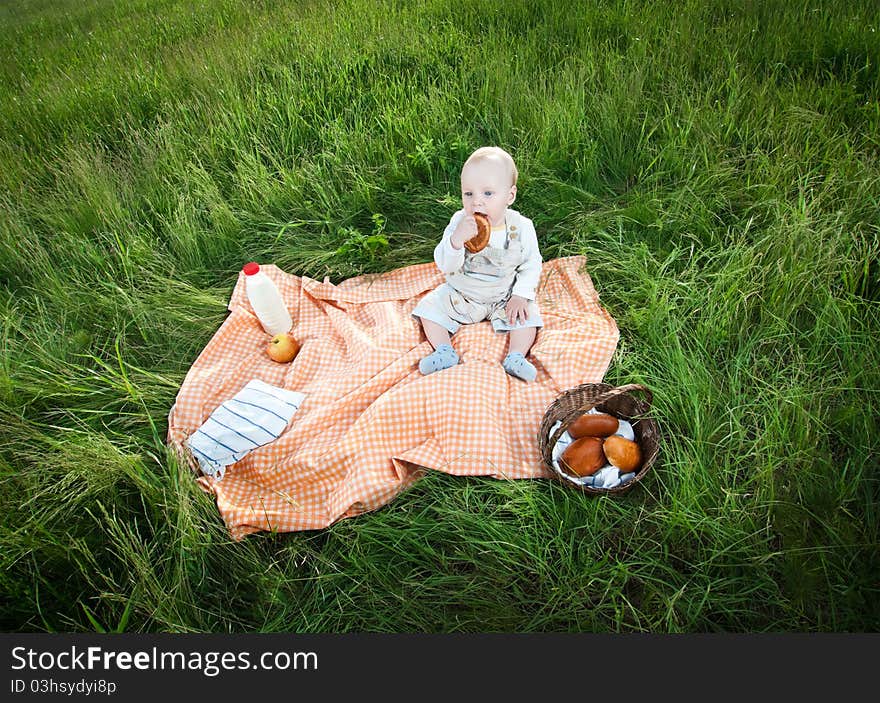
[[468, 194], [488, 193]]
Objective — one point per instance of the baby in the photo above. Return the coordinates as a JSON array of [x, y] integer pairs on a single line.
[[497, 283]]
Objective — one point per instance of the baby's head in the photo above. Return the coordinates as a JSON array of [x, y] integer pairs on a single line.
[[488, 183]]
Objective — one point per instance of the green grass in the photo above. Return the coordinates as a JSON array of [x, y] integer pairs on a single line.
[[717, 162]]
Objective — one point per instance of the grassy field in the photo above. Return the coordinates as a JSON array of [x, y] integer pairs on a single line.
[[717, 162]]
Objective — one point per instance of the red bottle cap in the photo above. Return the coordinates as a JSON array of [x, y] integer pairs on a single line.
[[251, 268]]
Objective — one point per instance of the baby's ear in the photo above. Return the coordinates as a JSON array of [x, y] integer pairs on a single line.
[[512, 195]]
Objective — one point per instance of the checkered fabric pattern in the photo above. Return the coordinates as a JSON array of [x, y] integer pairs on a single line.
[[370, 423]]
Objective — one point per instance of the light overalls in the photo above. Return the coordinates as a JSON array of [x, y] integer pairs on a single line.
[[481, 288]]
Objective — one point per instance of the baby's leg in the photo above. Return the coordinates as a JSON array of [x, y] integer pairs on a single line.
[[436, 334], [515, 362], [522, 339], [444, 355]]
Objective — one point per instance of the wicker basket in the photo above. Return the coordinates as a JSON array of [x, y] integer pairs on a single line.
[[617, 401]]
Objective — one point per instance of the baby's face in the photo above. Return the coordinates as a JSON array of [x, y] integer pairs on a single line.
[[486, 188]]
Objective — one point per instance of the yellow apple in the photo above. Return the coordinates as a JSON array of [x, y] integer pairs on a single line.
[[282, 348]]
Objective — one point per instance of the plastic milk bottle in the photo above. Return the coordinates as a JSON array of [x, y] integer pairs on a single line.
[[266, 300]]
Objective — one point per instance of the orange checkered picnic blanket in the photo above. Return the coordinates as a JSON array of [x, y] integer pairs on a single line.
[[370, 423]]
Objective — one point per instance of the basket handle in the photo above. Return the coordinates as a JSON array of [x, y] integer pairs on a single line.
[[620, 390], [607, 395]]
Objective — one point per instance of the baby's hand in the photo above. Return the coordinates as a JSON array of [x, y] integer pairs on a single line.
[[465, 230], [517, 310]]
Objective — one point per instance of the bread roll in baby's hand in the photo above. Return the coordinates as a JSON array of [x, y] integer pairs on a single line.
[[481, 239]]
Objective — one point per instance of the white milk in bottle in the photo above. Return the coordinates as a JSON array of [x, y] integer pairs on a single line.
[[266, 300]]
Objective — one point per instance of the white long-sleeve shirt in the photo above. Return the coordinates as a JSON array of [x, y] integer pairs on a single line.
[[450, 260]]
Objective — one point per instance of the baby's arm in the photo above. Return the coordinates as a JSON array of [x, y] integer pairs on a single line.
[[448, 257], [528, 273]]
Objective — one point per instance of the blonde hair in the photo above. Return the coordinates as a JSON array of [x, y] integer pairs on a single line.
[[496, 154]]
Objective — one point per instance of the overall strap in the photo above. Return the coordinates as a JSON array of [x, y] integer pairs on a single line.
[[512, 227]]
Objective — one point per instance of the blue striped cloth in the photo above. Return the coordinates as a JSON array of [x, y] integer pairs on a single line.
[[254, 416]]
